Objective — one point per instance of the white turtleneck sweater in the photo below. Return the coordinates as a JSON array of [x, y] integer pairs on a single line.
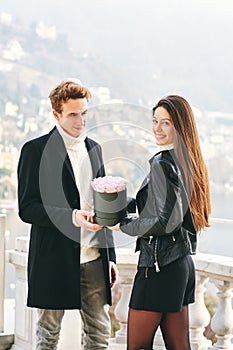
[[82, 169]]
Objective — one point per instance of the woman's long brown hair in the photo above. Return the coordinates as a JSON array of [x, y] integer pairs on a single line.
[[188, 152]]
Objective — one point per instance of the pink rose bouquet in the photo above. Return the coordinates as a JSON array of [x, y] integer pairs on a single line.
[[109, 184], [110, 199]]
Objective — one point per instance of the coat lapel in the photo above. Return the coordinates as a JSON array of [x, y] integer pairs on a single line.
[[58, 143], [95, 158], [92, 149]]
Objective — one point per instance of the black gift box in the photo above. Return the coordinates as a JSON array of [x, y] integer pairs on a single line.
[[110, 208]]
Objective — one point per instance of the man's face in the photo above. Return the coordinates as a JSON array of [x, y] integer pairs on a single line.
[[73, 117]]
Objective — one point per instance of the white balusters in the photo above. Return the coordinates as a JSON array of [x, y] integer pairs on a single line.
[[121, 312], [218, 268], [199, 316], [2, 269], [126, 264], [158, 341], [222, 321]]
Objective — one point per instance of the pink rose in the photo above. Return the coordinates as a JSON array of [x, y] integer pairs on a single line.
[[109, 184]]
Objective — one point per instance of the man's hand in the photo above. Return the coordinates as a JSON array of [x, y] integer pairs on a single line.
[[85, 219], [113, 274]]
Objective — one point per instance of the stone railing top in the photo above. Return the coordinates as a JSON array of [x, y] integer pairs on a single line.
[[18, 256], [208, 264], [22, 244], [126, 256], [214, 265]]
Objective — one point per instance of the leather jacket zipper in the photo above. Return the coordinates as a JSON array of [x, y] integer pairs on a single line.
[[146, 270], [157, 269]]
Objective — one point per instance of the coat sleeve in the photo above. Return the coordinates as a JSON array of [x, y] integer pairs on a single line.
[[162, 213], [31, 207]]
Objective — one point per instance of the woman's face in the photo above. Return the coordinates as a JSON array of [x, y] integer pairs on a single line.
[[163, 127]]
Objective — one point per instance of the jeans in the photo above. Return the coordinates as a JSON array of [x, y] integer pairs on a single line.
[[94, 313]]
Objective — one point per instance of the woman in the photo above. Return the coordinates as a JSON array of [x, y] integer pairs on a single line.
[[173, 204]]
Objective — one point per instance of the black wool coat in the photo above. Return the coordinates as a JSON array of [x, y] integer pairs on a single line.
[[47, 195]]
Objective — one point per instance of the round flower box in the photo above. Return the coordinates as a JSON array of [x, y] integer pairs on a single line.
[[110, 208]]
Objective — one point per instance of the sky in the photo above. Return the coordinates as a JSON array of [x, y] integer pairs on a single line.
[[113, 18], [127, 23], [140, 38], [128, 27]]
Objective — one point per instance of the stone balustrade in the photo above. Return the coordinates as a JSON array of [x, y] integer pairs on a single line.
[[209, 268], [2, 271], [6, 339], [218, 270], [214, 269]]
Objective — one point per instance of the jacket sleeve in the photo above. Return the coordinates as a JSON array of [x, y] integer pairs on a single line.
[[162, 213], [31, 207]]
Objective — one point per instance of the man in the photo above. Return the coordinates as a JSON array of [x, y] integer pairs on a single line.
[[69, 255]]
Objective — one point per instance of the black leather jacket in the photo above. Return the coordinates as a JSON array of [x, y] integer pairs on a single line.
[[165, 226]]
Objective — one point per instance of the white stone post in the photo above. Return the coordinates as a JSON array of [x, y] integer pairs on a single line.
[[26, 318], [158, 341], [222, 321], [6, 339], [126, 264], [199, 317], [2, 269]]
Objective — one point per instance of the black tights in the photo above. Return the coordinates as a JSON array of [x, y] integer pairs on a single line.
[[142, 326]]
